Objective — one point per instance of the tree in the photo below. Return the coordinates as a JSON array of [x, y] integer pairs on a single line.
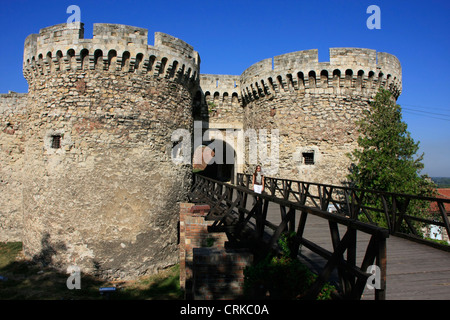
[[386, 159]]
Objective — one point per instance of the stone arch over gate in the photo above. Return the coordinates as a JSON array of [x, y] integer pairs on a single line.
[[218, 155]]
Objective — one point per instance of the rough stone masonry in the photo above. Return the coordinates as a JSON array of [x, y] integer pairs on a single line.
[[86, 174]]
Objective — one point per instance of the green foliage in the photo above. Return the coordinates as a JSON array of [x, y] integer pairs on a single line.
[[212, 107], [8, 253], [386, 159], [441, 242], [441, 182], [162, 286], [281, 277], [209, 242], [285, 243]]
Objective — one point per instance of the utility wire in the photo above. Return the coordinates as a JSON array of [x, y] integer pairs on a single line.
[[427, 108], [427, 112], [424, 115], [435, 115]]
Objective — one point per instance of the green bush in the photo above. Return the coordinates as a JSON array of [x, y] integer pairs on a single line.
[[281, 277]]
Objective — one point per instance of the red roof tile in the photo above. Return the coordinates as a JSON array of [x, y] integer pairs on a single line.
[[443, 193]]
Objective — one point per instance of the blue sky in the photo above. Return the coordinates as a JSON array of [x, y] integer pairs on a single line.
[[232, 35]]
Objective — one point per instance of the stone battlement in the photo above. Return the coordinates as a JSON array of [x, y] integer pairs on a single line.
[[221, 87], [114, 47], [352, 68]]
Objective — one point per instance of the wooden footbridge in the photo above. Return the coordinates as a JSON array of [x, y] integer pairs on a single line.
[[368, 243]]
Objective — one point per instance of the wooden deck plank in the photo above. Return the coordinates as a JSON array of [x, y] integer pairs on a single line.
[[414, 271]]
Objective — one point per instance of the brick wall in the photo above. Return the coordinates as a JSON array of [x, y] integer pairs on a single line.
[[194, 234], [208, 270], [219, 273]]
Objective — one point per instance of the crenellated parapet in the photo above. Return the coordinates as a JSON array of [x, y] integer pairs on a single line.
[[354, 70], [219, 99], [220, 88], [113, 48]]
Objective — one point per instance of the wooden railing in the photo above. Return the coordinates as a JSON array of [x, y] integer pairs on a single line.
[[247, 225], [404, 215]]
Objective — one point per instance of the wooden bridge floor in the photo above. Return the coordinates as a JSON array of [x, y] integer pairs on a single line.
[[414, 271]]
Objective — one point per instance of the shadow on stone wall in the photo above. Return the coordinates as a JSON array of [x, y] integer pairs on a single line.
[[48, 251], [36, 279]]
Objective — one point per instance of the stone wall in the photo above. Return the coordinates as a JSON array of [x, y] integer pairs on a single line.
[[318, 124], [12, 110], [221, 94]]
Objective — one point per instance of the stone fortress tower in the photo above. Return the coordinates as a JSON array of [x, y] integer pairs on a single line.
[[87, 177], [313, 105], [100, 189]]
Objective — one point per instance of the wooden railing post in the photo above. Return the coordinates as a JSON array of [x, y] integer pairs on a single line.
[[235, 217], [380, 294]]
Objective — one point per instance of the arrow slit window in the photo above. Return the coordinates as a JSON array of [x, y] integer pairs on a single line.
[[56, 141], [308, 157]]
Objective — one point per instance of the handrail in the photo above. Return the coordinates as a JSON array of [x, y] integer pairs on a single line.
[[250, 227], [267, 179], [393, 211]]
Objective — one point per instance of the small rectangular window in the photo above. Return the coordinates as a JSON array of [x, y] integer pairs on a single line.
[[56, 141], [308, 158]]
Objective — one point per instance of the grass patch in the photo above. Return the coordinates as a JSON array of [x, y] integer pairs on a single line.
[[9, 252], [164, 285], [26, 280]]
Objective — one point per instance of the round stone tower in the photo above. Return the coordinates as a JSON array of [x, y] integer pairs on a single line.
[[100, 189], [314, 106]]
